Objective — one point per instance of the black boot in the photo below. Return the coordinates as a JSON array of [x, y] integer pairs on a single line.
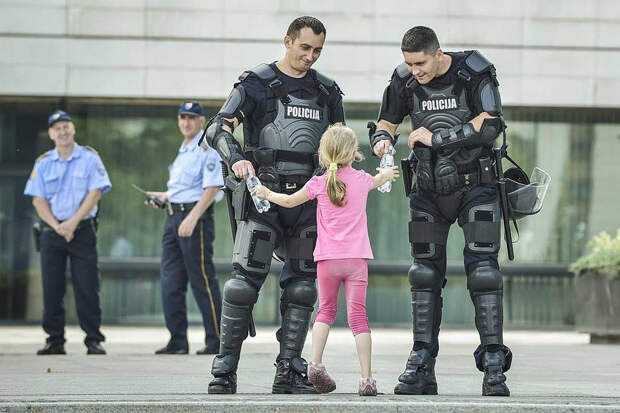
[[224, 370], [223, 384], [292, 378], [494, 382], [419, 374]]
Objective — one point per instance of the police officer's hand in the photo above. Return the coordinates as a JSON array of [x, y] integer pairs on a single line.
[[421, 135], [162, 196], [243, 168], [478, 120], [186, 229], [261, 191], [67, 228], [381, 147]]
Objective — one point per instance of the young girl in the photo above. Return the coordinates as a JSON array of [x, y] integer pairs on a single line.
[[342, 247]]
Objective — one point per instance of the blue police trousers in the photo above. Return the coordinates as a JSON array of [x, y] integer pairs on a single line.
[[82, 254], [190, 259]]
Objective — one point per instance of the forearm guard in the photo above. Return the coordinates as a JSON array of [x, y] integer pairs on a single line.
[[461, 135], [222, 141]]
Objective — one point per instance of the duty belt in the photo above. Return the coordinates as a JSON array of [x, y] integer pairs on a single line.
[[174, 208]]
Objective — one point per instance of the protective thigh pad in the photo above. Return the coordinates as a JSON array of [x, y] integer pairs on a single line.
[[253, 248], [425, 233], [481, 226], [299, 250]]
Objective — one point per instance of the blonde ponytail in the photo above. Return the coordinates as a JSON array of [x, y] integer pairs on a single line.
[[338, 148]]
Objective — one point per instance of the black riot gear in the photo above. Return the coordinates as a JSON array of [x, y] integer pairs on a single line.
[[454, 180], [283, 120]]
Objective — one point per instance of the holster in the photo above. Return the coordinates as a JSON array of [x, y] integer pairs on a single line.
[[240, 197], [266, 168], [36, 233], [408, 166]]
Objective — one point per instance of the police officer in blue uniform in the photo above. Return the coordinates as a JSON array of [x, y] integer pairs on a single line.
[[454, 104], [285, 107], [187, 244], [66, 184]]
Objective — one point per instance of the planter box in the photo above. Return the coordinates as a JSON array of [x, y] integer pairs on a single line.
[[597, 307]]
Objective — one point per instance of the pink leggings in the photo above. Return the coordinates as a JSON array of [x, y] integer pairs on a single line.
[[353, 272]]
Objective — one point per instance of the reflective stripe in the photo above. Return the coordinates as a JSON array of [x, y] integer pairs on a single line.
[[204, 275]]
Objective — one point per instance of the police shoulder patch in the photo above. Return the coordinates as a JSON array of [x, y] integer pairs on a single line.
[[90, 148], [211, 166], [43, 155]]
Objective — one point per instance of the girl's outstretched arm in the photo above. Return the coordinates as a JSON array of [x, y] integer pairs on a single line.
[[384, 175], [287, 201]]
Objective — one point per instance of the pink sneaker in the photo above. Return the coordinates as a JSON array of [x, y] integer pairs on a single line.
[[368, 387], [320, 379]]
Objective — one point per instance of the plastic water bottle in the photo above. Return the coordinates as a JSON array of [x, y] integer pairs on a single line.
[[387, 161], [262, 205]]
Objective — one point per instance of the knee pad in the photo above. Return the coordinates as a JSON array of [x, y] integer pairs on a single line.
[[238, 292], [425, 234], [299, 250], [481, 226], [254, 246], [300, 292], [423, 277], [484, 278]]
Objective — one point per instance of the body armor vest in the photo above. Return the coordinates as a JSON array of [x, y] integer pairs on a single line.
[[296, 129], [443, 108]]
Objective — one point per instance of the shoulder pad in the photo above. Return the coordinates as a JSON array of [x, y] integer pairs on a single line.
[[262, 71], [90, 148], [325, 81], [477, 63], [402, 70], [43, 155]]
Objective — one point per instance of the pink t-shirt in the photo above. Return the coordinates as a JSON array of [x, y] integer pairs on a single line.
[[342, 232]]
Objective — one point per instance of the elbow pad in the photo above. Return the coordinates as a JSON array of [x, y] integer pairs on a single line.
[[222, 141]]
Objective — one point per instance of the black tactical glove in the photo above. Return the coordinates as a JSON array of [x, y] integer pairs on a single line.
[[424, 170], [446, 176]]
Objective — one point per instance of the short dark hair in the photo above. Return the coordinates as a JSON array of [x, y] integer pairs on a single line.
[[420, 39], [305, 21]]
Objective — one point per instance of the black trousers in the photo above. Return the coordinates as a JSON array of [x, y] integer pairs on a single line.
[[82, 254], [190, 259]]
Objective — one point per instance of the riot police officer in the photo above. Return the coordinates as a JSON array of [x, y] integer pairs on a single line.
[[66, 185], [455, 110], [284, 107], [187, 244]]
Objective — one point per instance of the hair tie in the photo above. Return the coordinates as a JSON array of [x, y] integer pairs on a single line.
[[333, 166]]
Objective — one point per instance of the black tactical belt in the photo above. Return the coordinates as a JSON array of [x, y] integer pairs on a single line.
[[174, 208]]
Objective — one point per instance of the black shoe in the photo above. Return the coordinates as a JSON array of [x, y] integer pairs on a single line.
[[170, 349], [94, 348], [52, 348], [494, 382], [223, 384], [208, 350], [419, 375], [291, 378]]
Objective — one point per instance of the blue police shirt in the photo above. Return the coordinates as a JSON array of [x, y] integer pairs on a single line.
[[193, 170], [65, 183]]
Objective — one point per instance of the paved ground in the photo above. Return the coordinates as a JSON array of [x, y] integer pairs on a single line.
[[557, 371]]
